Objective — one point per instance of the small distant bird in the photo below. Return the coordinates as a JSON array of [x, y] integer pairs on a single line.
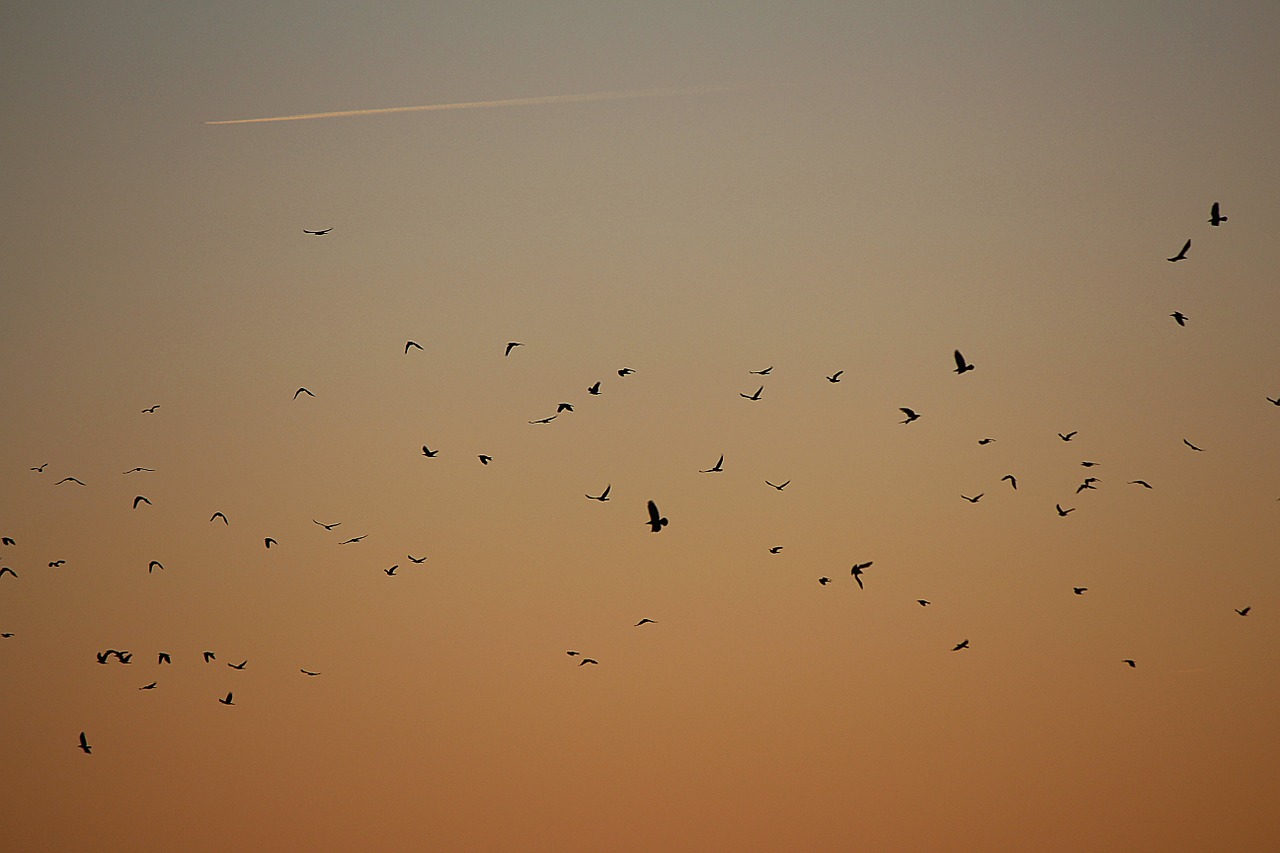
[[485, 460], [571, 653], [1133, 665], [218, 515], [603, 496], [586, 661], [545, 420], [430, 454], [227, 701], [643, 621], [719, 466], [1244, 612], [778, 486], [1013, 481], [413, 559], [1192, 446], [137, 470], [857, 570], [1079, 590], [824, 580], [208, 656], [154, 564], [656, 521], [308, 672], [150, 410], [353, 539], [1090, 464], [163, 657], [1142, 483], [6, 569], [775, 549], [510, 346], [626, 371], [985, 440], [961, 364], [84, 744], [594, 390], [1179, 318], [269, 542], [923, 602], [911, 416], [1062, 513], [975, 498], [1087, 484], [7, 634], [238, 665], [835, 377], [961, 645], [302, 391], [564, 407], [755, 396], [151, 686], [327, 526], [1182, 255], [68, 479], [40, 469], [1068, 436], [1275, 402], [408, 344], [7, 540], [140, 499], [764, 372], [391, 571], [1214, 219], [317, 233], [56, 563]]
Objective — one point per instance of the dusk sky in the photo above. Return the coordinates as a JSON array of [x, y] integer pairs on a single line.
[[721, 197]]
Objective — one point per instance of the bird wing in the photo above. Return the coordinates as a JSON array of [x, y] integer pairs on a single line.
[[960, 360], [655, 518]]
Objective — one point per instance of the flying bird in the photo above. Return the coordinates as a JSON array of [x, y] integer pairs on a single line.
[[1275, 402], [564, 407], [961, 364], [510, 346], [68, 479], [545, 420], [626, 371], [824, 580], [656, 521], [1062, 513], [391, 571], [755, 396], [857, 570], [1142, 483], [56, 563], [1013, 481], [40, 469], [1068, 436], [911, 416], [269, 542], [151, 686], [302, 391], [1244, 612], [1182, 255], [764, 372], [1179, 318], [9, 540], [327, 526], [238, 665], [1089, 464], [84, 744], [777, 486], [923, 602], [308, 672], [414, 344], [1214, 219], [1079, 590], [719, 466], [594, 390], [1132, 665], [603, 496], [985, 440], [961, 645], [430, 454], [485, 460], [413, 559], [227, 701], [140, 499], [163, 657], [775, 549], [137, 470], [151, 409], [571, 653], [317, 233], [835, 377], [154, 564], [353, 539], [1192, 446], [643, 621], [208, 656], [586, 661], [975, 498], [4, 569]]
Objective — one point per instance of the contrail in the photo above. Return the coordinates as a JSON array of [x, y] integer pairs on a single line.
[[508, 102]]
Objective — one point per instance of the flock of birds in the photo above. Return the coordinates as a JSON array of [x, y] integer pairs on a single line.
[[655, 521]]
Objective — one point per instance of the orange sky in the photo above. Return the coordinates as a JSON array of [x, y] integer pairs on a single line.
[[830, 187]]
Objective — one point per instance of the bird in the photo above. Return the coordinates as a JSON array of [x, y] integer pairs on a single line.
[[40, 469], [571, 653], [510, 346], [1275, 402], [1132, 665], [911, 416], [4, 569], [269, 542], [307, 672], [857, 570], [985, 440], [151, 686], [124, 657], [317, 233], [84, 744], [594, 390], [764, 372], [69, 480], [603, 496], [975, 498], [775, 549], [1142, 483], [961, 364], [719, 466], [8, 540], [626, 371], [835, 377], [586, 661], [353, 539], [1089, 464], [1182, 254], [1068, 436], [1087, 484], [163, 657], [1062, 513], [408, 344], [777, 486], [327, 526], [391, 571], [964, 644], [564, 407], [824, 580], [413, 559], [227, 701], [137, 470], [208, 656], [923, 602], [656, 520], [7, 634], [755, 396], [1214, 219], [1192, 446], [151, 409], [485, 460], [1244, 612], [1179, 318], [56, 563], [1079, 590], [154, 564], [643, 621], [140, 499], [302, 391], [430, 454], [238, 665], [545, 420], [1013, 481], [218, 515]]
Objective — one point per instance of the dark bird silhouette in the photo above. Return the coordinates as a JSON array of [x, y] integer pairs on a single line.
[[56, 563], [269, 542], [975, 498], [238, 665], [227, 701], [626, 371], [961, 645], [208, 656], [68, 480], [6, 570], [719, 466], [1179, 318], [7, 634], [571, 653], [1182, 255], [138, 470], [564, 407], [307, 672], [1068, 436], [755, 396], [776, 549], [317, 233], [1062, 513], [1089, 464], [302, 391], [510, 346], [391, 571], [1079, 590], [594, 390], [923, 602], [163, 657], [1013, 481], [911, 416], [643, 621], [408, 344], [1087, 484], [835, 377], [961, 364], [985, 440], [603, 496], [40, 469], [1192, 446], [151, 686], [124, 657], [1214, 219], [140, 499], [1142, 483], [430, 454], [1132, 665], [1275, 402], [8, 540], [1244, 612], [218, 515], [545, 420], [778, 486], [485, 460], [413, 559], [656, 521], [353, 539], [586, 661], [764, 372], [857, 570], [151, 409], [84, 744], [824, 580], [154, 564], [102, 656], [327, 526]]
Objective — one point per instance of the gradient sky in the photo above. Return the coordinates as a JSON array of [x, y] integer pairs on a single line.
[[851, 186]]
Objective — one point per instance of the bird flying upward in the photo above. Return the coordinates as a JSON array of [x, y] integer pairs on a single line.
[[1182, 253], [84, 744], [1214, 218], [961, 365], [911, 416], [656, 520]]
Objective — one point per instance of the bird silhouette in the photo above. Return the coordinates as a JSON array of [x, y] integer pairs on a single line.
[[1062, 513], [1090, 464], [414, 344], [320, 233], [643, 621], [140, 500], [218, 515], [140, 470], [586, 661], [430, 454], [975, 498], [755, 396], [1182, 254], [151, 686], [413, 559], [961, 645], [7, 634], [776, 549], [269, 542], [1087, 484], [778, 486], [545, 420], [1013, 481], [1068, 436], [238, 665], [8, 540], [911, 416], [227, 701], [40, 469], [1079, 590], [656, 521], [327, 526], [353, 539], [1214, 219], [68, 480], [626, 371], [307, 672], [571, 653], [1192, 446], [163, 657], [985, 440], [835, 377], [1244, 612], [824, 580], [1179, 318], [564, 407], [594, 390], [510, 346], [764, 372], [391, 571], [6, 570], [208, 656], [603, 496], [857, 570], [1132, 665], [56, 563], [154, 564], [923, 602], [1142, 483], [719, 466], [302, 391], [961, 364], [1275, 402], [84, 744], [151, 409], [485, 460]]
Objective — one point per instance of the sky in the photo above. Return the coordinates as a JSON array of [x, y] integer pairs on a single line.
[[756, 195]]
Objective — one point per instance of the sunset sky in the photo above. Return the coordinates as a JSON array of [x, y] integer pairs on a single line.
[[811, 188]]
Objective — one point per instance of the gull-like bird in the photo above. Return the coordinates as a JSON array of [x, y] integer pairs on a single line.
[[320, 233], [414, 344], [150, 409], [9, 540], [964, 644], [84, 744], [238, 665], [778, 486], [985, 440], [327, 526], [1275, 402], [302, 391], [1182, 254], [6, 569], [586, 661], [163, 657], [1132, 665], [40, 469], [68, 479], [151, 686], [154, 564], [719, 466], [755, 396], [1079, 590], [268, 541], [824, 580], [643, 621], [564, 407], [485, 460], [571, 653], [1068, 436], [594, 390], [227, 701], [1089, 464], [140, 499], [137, 470], [776, 549], [656, 520], [911, 416], [307, 672], [961, 364], [427, 452], [1087, 484], [1192, 446], [835, 377], [510, 346], [626, 371], [857, 570], [1179, 318], [975, 498], [1013, 481], [1142, 483], [56, 563], [208, 656], [603, 496], [923, 602], [545, 420], [1062, 513], [764, 372], [391, 571], [413, 559], [1244, 612], [353, 539], [1214, 219]]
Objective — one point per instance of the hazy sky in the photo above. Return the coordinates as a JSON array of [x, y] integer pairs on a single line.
[[812, 188]]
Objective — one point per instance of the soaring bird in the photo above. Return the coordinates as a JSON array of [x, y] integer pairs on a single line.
[[413, 559], [269, 542], [1089, 464], [84, 744], [985, 440], [975, 498], [857, 570], [911, 416], [1275, 402], [1132, 665], [69, 480], [656, 521], [1182, 255], [1214, 219], [1244, 612], [427, 452], [719, 466], [510, 346], [391, 571], [154, 564], [961, 364], [1087, 484], [643, 621], [408, 344], [626, 371], [1179, 318], [1192, 446], [302, 391], [218, 515], [327, 526], [776, 549], [835, 377], [150, 409], [564, 407], [485, 460], [4, 569], [308, 672], [603, 496], [9, 540], [586, 661], [764, 372], [227, 701], [545, 420], [961, 645], [40, 469], [1062, 513], [238, 665], [56, 563], [353, 539], [151, 686], [163, 657], [317, 233], [1142, 483], [571, 653], [778, 486], [594, 390], [140, 499], [208, 656], [140, 470], [755, 396], [824, 580], [1068, 436], [1079, 590], [1013, 481], [923, 602]]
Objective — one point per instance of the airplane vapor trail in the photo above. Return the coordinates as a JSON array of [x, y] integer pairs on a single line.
[[507, 102]]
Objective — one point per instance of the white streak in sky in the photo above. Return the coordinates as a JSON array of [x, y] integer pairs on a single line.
[[509, 102]]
